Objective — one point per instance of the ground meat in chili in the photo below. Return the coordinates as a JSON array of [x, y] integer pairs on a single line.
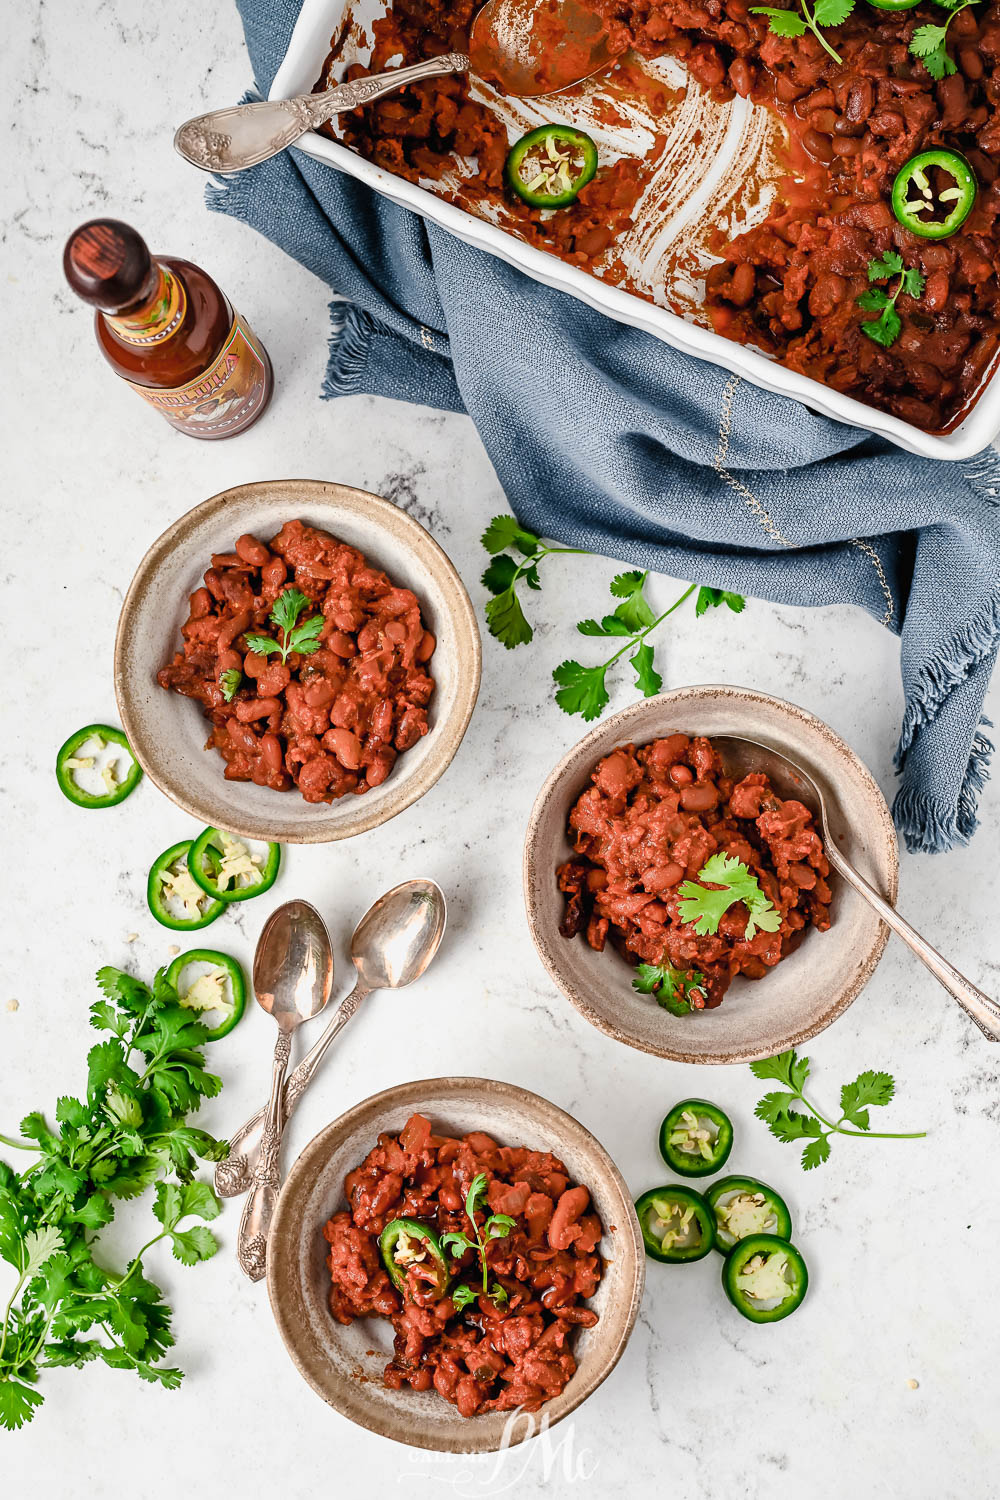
[[328, 723], [651, 819], [790, 285], [488, 1356]]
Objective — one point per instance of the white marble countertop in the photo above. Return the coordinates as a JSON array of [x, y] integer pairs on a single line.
[[900, 1236]]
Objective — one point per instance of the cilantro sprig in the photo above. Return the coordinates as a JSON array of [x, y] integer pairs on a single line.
[[302, 638], [929, 43], [678, 990], [229, 682], [129, 1130], [885, 330], [777, 1110], [792, 23], [495, 1227], [581, 689], [706, 908]]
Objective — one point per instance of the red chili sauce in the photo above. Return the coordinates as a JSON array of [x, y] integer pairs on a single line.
[[652, 818], [484, 1357], [789, 286], [331, 722]]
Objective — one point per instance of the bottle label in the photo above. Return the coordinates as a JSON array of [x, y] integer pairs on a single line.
[[224, 397], [161, 317]]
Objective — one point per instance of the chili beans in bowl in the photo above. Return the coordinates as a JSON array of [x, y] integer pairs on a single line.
[[320, 657], [639, 827], [380, 1301]]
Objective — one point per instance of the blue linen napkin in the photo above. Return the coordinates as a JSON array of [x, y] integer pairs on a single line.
[[603, 437]]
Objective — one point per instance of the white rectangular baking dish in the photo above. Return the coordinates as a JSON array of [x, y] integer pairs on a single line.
[[307, 51]]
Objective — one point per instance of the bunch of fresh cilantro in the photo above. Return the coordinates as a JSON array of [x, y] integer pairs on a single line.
[[131, 1129], [517, 553]]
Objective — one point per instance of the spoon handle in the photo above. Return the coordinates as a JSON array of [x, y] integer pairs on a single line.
[[243, 135], [234, 1175], [255, 1224], [984, 1011]]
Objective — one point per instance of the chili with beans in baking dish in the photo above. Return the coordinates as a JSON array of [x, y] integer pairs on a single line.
[[857, 109], [642, 835], [310, 664], [481, 1256]]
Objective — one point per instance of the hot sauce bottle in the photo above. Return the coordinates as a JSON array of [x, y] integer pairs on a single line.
[[165, 327]]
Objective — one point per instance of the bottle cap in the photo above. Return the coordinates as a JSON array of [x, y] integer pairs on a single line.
[[108, 264]]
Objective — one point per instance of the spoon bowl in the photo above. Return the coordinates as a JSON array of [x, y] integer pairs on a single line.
[[293, 964], [529, 48], [398, 936]]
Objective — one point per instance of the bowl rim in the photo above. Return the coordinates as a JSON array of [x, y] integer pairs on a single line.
[[626, 718], [408, 1096], [448, 734]]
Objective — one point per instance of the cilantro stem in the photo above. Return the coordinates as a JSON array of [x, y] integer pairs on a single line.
[[810, 20], [882, 1135], [636, 640], [7, 1140]]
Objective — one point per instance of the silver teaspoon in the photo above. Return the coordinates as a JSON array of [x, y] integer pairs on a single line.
[[392, 946], [741, 756], [292, 978]]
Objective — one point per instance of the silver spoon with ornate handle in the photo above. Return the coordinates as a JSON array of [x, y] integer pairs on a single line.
[[740, 756], [392, 946], [229, 140], [292, 978]]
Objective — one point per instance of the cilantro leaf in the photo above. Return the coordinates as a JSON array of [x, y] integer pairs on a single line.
[[873, 300], [648, 681], [832, 12], [678, 990], [305, 637], [816, 1151], [192, 1245], [499, 1226], [229, 682], [867, 1089], [506, 622], [913, 282], [609, 625], [706, 908], [709, 598], [263, 645], [928, 44], [633, 611], [507, 531], [884, 330], [287, 607], [890, 265], [500, 574], [477, 1190], [456, 1241], [581, 689], [783, 22], [777, 1067], [462, 1295], [18, 1402]]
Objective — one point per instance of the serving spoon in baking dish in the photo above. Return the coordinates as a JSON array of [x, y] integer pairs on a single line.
[[392, 946], [740, 757], [506, 48]]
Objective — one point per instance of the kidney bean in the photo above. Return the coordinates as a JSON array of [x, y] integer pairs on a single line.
[[663, 878], [886, 122], [249, 709], [971, 63], [860, 101], [395, 631], [341, 644], [254, 665], [425, 648], [242, 736], [273, 575], [251, 551], [274, 679], [381, 763], [229, 661], [742, 286], [848, 145], [271, 753], [382, 718], [699, 798], [200, 604], [368, 636], [232, 629], [824, 120], [741, 76], [820, 147], [345, 746], [681, 775], [317, 692]]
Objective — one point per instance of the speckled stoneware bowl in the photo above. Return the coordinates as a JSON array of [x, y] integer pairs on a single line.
[[808, 989], [344, 1365], [168, 732]]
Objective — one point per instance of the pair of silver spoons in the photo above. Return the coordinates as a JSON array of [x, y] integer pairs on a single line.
[[293, 979]]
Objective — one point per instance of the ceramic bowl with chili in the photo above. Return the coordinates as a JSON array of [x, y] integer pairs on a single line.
[[382, 1306], [690, 912], [296, 661]]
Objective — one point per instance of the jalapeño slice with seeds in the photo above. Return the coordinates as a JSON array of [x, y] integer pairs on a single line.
[[696, 1138], [548, 166], [938, 182], [411, 1251], [676, 1224], [81, 753], [765, 1278], [741, 1207], [225, 868], [170, 885], [207, 992]]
